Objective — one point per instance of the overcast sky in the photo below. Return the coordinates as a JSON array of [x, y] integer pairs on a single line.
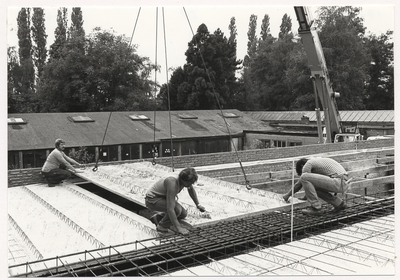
[[179, 25]]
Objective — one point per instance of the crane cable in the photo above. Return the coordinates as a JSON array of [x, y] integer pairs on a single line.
[[248, 186], [95, 168], [155, 91], [169, 100]]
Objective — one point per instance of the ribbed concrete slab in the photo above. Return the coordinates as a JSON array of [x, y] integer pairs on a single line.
[[221, 199]]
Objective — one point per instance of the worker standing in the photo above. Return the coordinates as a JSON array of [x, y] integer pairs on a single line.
[[320, 178], [162, 197], [58, 165]]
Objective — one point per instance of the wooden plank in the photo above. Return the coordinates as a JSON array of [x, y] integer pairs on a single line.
[[371, 182]]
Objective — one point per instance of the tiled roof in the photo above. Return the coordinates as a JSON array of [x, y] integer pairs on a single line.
[[346, 116], [87, 129]]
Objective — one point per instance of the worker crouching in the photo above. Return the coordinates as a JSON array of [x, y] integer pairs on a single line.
[[58, 165], [321, 178], [162, 197]]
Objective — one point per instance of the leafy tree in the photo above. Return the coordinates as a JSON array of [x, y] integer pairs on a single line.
[[341, 35], [252, 39], [269, 69], [210, 71], [13, 80], [110, 76], [380, 86], [286, 26], [40, 39], [265, 29], [76, 31], [178, 77], [118, 78], [232, 31], [60, 34], [26, 73]]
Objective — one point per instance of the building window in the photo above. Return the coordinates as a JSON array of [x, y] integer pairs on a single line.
[[109, 153], [31, 159], [230, 115], [139, 117], [15, 121], [13, 160], [81, 119], [131, 151], [187, 117], [295, 143], [166, 149], [147, 150], [279, 143]]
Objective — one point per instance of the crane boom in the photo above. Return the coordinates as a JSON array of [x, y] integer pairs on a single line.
[[319, 74]]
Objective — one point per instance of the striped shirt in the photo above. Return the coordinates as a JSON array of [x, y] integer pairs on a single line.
[[324, 166]]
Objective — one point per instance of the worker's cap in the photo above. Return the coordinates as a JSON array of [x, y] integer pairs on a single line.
[[58, 142]]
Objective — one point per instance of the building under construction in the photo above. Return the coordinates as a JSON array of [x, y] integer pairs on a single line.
[[97, 225]]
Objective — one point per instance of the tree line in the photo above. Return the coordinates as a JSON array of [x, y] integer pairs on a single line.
[[102, 71]]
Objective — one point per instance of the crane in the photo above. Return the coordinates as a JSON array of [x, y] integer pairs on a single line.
[[319, 75]]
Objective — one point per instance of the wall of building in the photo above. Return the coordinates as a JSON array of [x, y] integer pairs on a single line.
[[278, 140], [19, 177]]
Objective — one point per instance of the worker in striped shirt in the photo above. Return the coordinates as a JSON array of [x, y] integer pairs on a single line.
[[321, 178]]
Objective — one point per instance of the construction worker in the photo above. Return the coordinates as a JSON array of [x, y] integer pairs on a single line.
[[162, 197], [320, 178], [58, 165]]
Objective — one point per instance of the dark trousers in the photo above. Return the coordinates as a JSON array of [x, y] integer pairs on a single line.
[[55, 176], [160, 205]]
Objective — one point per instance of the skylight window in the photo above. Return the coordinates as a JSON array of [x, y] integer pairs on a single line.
[[15, 121], [139, 117], [230, 115], [82, 119], [187, 117]]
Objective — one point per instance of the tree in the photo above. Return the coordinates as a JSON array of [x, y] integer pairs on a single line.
[[341, 35], [40, 39], [60, 34], [252, 39], [232, 31], [169, 92], [286, 26], [380, 87], [13, 75], [209, 71], [26, 78], [118, 78], [76, 31], [269, 86]]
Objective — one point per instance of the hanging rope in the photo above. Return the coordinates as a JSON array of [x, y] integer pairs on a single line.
[[96, 166], [102, 142], [248, 186], [155, 92], [169, 100]]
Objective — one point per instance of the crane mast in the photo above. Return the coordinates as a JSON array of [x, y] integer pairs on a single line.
[[319, 75]]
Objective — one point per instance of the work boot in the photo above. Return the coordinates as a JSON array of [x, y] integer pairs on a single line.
[[311, 211], [339, 208]]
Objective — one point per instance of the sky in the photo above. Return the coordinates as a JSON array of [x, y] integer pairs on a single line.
[[180, 22]]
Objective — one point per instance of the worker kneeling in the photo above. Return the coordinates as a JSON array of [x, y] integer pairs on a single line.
[[320, 178], [162, 197]]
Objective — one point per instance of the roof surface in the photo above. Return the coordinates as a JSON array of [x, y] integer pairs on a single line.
[[346, 116], [40, 130]]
